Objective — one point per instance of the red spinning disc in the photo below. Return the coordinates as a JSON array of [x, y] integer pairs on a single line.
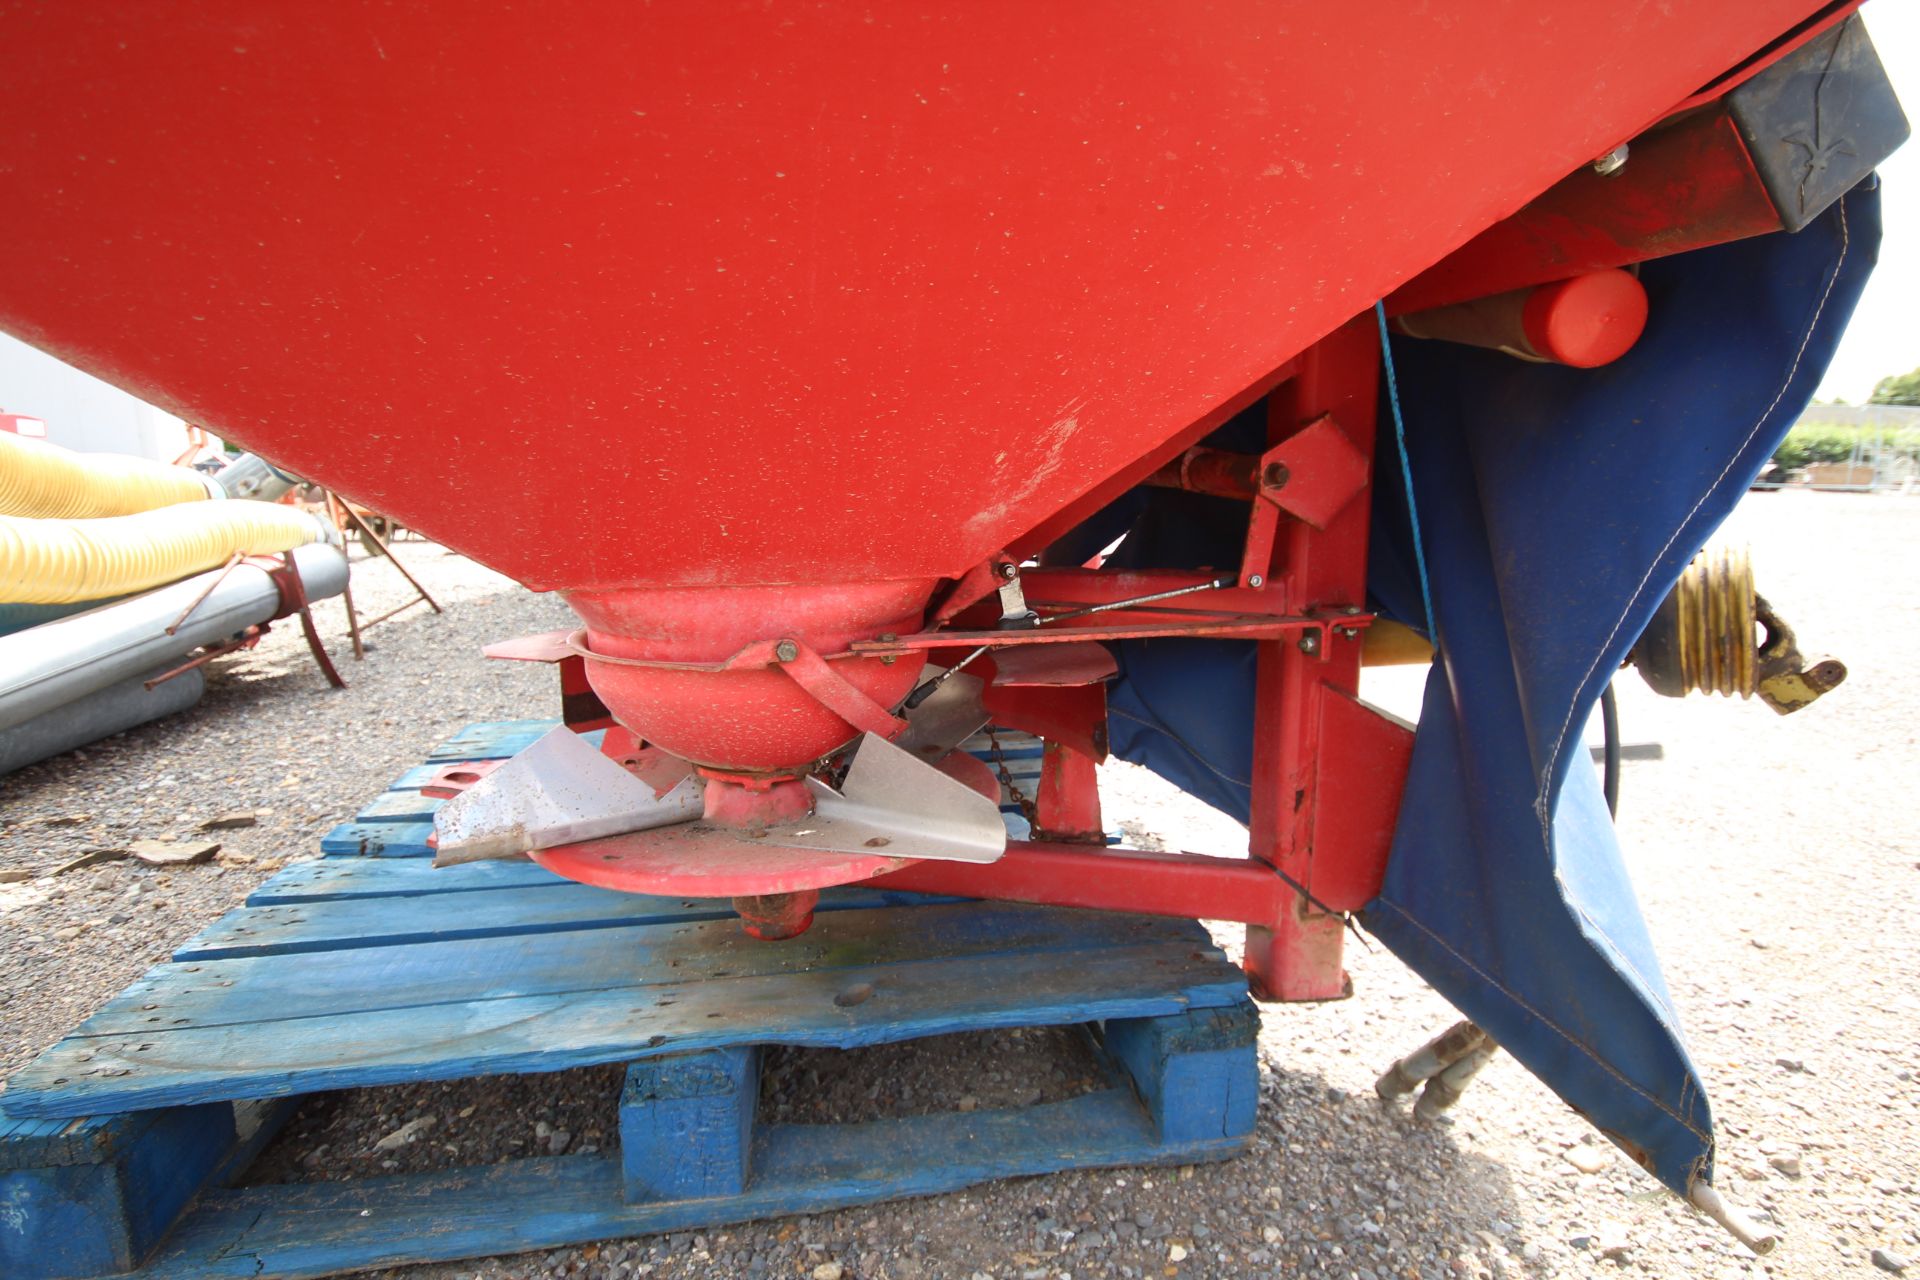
[[700, 860]]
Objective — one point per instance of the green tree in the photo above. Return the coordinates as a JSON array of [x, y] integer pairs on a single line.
[[1814, 442], [1900, 388]]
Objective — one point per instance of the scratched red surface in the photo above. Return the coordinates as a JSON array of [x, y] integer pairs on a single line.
[[605, 294]]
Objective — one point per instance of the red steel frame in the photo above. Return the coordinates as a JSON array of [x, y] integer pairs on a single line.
[[1327, 771]]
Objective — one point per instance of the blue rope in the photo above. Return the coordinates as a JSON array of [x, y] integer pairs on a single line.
[[1406, 469]]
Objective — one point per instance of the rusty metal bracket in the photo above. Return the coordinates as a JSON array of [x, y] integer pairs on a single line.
[[580, 707], [173, 628], [207, 653], [293, 599], [1784, 679]]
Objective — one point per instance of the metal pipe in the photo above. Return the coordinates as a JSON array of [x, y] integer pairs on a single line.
[[1761, 1239], [1430, 1059], [1211, 471], [51, 665], [118, 707], [1444, 1089], [1586, 321], [252, 476]]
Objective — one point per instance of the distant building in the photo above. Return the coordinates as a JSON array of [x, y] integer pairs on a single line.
[[81, 411]]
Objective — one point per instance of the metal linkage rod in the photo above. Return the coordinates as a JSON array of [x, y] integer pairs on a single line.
[[926, 690]]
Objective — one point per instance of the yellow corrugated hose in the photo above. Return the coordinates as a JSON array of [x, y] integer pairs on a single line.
[[61, 561], [46, 482]]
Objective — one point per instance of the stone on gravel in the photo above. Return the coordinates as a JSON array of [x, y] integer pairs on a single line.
[[829, 1271], [233, 821], [1887, 1260], [173, 853], [1788, 1165], [91, 858], [1587, 1158], [1611, 1241], [405, 1134]]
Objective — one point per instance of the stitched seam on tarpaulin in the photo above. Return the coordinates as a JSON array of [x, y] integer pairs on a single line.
[[1620, 957], [1547, 1022], [1540, 805], [1182, 743]]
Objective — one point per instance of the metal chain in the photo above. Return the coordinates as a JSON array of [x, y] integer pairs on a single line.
[[1027, 809]]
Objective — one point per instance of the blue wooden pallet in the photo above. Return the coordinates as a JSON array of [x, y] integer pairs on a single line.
[[353, 971]]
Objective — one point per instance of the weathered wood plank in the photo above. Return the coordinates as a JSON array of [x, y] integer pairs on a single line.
[[340, 925], [587, 1028], [334, 878], [378, 840], [635, 958], [399, 806], [496, 740], [416, 777]]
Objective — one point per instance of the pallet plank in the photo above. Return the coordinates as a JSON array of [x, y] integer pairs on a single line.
[[498, 739], [296, 928], [588, 1028], [399, 806], [339, 878], [378, 840], [637, 958], [417, 777]]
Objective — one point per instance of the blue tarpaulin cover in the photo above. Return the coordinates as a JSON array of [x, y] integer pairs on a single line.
[[1557, 508]]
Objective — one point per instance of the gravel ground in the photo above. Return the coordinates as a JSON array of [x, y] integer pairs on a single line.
[[1775, 858]]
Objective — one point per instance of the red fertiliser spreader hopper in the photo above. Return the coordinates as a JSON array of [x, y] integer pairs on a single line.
[[1125, 377]]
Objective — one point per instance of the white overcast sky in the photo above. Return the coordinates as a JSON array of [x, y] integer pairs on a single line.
[[1884, 336]]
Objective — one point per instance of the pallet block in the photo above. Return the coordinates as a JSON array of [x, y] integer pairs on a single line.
[[117, 1145], [94, 1196]]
